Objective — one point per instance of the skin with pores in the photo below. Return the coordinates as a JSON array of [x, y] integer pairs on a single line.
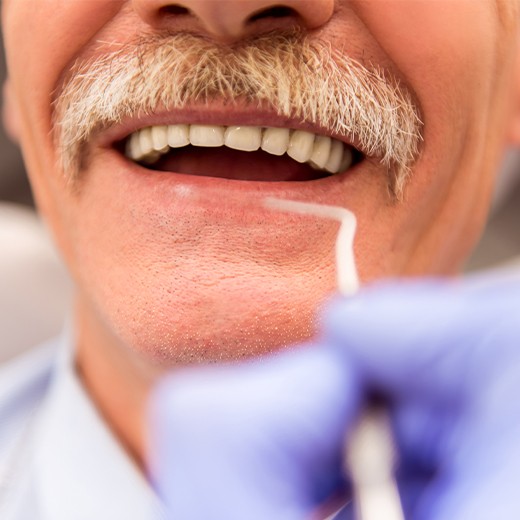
[[168, 272]]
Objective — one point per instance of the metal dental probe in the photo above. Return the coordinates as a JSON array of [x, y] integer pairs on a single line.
[[370, 454]]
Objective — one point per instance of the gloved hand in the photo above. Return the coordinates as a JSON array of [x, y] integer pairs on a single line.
[[264, 440]]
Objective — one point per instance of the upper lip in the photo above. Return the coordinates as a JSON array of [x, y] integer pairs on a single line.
[[210, 115]]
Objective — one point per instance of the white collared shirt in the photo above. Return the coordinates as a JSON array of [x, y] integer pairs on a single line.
[[58, 459]]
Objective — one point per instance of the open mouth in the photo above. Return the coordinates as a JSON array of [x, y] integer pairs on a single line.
[[239, 152]]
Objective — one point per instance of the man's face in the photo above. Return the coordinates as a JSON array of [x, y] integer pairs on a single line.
[[179, 259]]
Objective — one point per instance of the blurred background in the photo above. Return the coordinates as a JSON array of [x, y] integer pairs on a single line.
[[13, 182], [34, 290]]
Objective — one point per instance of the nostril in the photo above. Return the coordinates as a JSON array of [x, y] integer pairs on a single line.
[[278, 11], [174, 10]]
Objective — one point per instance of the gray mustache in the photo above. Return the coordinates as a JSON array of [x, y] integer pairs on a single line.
[[285, 73]]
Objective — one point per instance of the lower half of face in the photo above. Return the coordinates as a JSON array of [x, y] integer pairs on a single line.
[[185, 268]]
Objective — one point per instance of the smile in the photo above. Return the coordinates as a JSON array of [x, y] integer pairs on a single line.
[[239, 152]]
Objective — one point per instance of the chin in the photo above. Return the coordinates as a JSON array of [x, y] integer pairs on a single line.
[[230, 322]]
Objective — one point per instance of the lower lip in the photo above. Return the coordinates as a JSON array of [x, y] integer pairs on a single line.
[[333, 189]]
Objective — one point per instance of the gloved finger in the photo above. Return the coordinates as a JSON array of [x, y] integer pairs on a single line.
[[485, 488], [481, 467], [426, 339], [258, 441]]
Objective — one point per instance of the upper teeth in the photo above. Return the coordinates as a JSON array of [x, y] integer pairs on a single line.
[[321, 152]]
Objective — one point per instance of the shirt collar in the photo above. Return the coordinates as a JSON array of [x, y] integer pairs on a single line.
[[81, 471]]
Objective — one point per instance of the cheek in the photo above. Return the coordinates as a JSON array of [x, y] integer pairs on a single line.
[[38, 51], [42, 38], [447, 52], [451, 53]]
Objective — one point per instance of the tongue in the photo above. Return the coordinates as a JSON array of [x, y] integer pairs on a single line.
[[232, 164]]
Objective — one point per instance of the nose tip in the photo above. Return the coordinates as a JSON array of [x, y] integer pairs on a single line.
[[231, 20]]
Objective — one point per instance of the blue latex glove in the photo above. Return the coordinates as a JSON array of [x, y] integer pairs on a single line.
[[264, 440]]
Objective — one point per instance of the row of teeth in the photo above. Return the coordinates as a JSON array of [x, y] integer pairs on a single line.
[[321, 152]]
